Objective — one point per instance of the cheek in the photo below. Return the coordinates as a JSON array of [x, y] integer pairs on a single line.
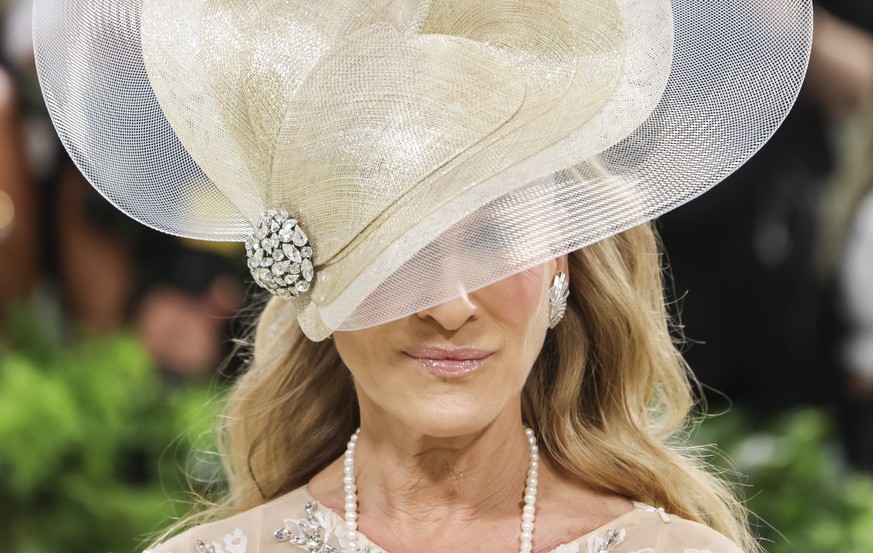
[[518, 299], [360, 351]]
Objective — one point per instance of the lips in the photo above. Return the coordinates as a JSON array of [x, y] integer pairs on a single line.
[[449, 362]]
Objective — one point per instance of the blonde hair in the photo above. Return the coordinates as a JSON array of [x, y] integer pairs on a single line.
[[607, 397]]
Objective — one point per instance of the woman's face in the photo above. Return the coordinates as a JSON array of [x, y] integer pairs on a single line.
[[454, 368]]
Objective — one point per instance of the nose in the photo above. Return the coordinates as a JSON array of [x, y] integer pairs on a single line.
[[452, 314]]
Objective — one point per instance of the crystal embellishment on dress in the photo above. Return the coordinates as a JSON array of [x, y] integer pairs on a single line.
[[309, 538], [606, 542], [280, 255], [613, 538]]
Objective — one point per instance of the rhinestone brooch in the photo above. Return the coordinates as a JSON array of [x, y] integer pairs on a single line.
[[280, 255]]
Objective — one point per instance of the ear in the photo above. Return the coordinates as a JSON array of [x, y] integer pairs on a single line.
[[559, 265]]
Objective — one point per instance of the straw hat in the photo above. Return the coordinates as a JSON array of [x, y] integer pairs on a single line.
[[379, 156]]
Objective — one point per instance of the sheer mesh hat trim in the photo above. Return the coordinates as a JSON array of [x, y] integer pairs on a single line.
[[426, 147]]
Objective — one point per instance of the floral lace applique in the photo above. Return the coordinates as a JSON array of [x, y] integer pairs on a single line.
[[235, 542], [659, 510]]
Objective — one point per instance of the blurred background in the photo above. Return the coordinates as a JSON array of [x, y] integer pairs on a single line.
[[113, 338]]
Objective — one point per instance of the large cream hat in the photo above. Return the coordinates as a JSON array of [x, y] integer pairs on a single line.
[[381, 156]]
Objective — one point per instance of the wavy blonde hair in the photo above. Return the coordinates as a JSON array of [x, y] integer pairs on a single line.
[[607, 397]]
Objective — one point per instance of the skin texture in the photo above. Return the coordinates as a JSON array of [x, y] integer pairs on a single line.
[[444, 459]]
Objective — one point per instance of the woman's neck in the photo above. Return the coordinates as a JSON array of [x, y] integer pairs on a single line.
[[419, 493], [415, 478], [428, 487]]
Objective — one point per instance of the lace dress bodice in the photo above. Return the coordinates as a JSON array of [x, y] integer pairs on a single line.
[[643, 529]]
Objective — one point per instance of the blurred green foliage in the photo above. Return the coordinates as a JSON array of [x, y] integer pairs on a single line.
[[805, 498], [86, 459]]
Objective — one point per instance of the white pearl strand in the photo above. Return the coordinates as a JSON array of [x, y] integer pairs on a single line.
[[351, 495]]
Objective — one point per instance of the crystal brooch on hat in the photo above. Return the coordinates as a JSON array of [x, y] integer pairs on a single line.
[[280, 255]]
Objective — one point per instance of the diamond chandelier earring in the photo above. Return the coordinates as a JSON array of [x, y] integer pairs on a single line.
[[558, 294]]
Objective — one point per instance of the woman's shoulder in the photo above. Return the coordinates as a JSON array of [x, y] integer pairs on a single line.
[[646, 529], [245, 532], [687, 536], [650, 530]]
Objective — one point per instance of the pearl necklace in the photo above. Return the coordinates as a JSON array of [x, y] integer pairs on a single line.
[[351, 496]]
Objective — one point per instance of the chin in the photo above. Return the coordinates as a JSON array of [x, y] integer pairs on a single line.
[[451, 419]]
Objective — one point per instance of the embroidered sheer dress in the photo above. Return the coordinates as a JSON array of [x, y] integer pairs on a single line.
[[272, 528]]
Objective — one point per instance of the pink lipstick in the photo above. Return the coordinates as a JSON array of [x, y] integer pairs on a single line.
[[449, 362]]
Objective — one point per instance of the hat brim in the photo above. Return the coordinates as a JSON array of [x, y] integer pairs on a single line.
[[700, 88]]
